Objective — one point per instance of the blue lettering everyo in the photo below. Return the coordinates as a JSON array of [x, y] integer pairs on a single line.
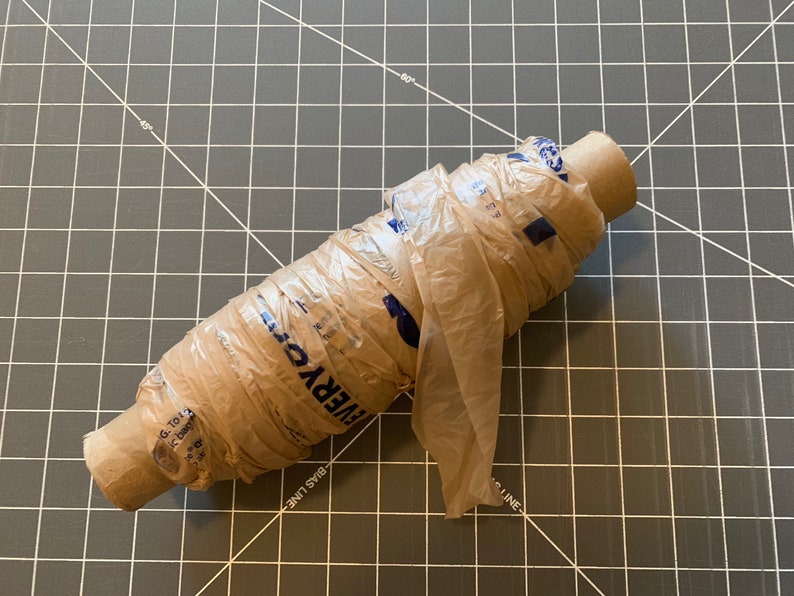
[[319, 383]]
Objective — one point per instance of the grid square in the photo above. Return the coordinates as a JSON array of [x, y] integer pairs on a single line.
[[64, 531], [39, 295], [746, 492], [405, 45], [535, 44], [649, 542], [29, 385], [127, 341], [18, 528], [546, 441], [577, 43], [150, 45], [402, 539], [25, 434], [405, 125], [35, 340], [368, 40], [590, 344], [547, 389], [595, 441], [22, 83], [646, 491], [235, 45], [685, 345], [642, 441], [548, 490], [536, 84], [689, 393], [453, 543], [67, 484], [597, 490], [777, 395], [593, 392], [696, 491], [158, 574], [750, 543], [638, 345], [497, 537], [363, 125], [692, 442], [633, 254], [54, 576], [318, 125], [700, 543], [355, 488], [741, 442], [580, 84], [641, 392], [492, 84], [733, 345], [599, 541], [111, 576], [737, 392], [682, 299], [588, 299]]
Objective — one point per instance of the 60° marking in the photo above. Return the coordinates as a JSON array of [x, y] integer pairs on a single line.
[[405, 77]]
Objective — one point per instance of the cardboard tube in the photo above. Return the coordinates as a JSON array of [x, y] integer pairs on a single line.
[[118, 455], [121, 463], [599, 159]]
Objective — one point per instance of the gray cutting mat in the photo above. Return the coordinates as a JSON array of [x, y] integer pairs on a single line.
[[159, 156]]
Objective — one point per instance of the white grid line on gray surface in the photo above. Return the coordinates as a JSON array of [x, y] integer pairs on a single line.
[[110, 266], [333, 25], [354, 65], [666, 419], [387, 68], [61, 313], [610, 256], [708, 326], [755, 324], [17, 304], [783, 133]]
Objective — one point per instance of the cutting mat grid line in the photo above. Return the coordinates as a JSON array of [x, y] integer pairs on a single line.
[[666, 469]]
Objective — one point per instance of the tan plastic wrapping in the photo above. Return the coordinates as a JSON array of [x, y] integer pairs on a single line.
[[420, 295]]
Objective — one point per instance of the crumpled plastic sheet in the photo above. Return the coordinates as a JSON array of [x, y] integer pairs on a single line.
[[418, 296]]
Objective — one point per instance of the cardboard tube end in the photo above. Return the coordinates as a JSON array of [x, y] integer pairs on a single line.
[[122, 467], [601, 161]]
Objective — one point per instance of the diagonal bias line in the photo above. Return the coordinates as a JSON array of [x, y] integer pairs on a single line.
[[686, 109], [157, 137], [725, 249], [576, 567], [281, 511], [728, 66], [517, 138], [401, 75]]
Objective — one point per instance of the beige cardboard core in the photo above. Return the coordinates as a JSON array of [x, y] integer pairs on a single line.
[[121, 464], [119, 455], [599, 159]]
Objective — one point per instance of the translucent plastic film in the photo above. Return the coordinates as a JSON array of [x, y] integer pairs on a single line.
[[418, 296]]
